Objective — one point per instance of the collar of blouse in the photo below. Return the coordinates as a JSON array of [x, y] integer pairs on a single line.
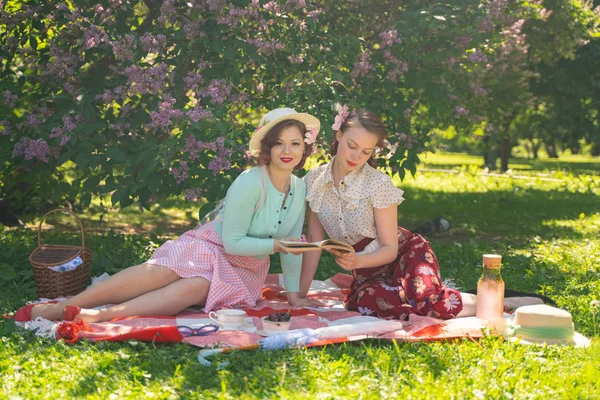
[[355, 186]]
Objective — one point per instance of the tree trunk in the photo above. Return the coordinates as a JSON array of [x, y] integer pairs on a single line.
[[596, 149], [551, 149], [534, 149], [504, 154]]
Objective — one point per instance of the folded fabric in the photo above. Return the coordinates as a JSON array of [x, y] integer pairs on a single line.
[[68, 266]]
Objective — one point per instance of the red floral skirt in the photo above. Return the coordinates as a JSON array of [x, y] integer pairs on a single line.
[[411, 284]]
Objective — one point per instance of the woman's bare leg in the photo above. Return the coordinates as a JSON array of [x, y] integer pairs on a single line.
[[125, 285], [469, 305], [168, 300]]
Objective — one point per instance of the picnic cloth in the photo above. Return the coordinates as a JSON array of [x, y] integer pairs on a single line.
[[352, 325]]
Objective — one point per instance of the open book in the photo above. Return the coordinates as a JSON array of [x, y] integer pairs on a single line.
[[329, 244]]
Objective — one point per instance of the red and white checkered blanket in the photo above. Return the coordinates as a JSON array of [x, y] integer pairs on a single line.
[[352, 325]]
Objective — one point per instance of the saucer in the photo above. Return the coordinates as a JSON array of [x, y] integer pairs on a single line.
[[232, 326], [263, 333]]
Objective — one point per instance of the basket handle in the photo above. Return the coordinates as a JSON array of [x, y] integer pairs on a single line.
[[64, 210]]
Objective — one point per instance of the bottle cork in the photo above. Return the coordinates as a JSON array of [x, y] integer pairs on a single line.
[[492, 260]]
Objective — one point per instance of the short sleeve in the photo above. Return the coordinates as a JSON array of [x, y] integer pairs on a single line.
[[387, 194]]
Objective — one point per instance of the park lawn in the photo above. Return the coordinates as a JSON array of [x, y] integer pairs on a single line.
[[548, 232]]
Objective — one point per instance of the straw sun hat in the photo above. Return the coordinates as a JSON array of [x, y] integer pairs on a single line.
[[271, 118], [541, 323]]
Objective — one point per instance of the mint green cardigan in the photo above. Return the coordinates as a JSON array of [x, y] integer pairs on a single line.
[[246, 233]]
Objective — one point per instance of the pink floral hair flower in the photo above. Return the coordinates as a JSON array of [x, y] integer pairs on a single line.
[[311, 135], [340, 118]]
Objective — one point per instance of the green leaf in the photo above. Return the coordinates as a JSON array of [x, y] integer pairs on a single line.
[[85, 200], [33, 42], [217, 46], [82, 159], [118, 195], [115, 155], [9, 327], [7, 273], [229, 52], [91, 183], [126, 201], [154, 184]]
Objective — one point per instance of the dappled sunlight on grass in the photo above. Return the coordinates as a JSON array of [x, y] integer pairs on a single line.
[[575, 163]]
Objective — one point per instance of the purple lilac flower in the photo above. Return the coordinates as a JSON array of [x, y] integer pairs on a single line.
[[478, 89], [497, 6], [193, 147], [462, 42], [37, 149], [222, 162], [121, 128], [124, 47], [486, 25], [34, 120], [197, 113], [216, 5], [167, 12], [101, 12], [389, 37], [362, 67], [272, 7], [477, 56], [94, 37], [146, 80], [265, 46], [9, 98], [192, 194], [193, 29], [154, 44], [400, 69], [69, 123], [163, 117], [296, 59], [6, 131], [20, 147], [56, 132], [62, 63], [218, 90], [181, 173], [193, 80], [459, 111]]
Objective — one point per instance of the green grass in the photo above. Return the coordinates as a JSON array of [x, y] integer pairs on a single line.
[[548, 232]]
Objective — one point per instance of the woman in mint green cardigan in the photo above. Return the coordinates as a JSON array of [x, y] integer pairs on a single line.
[[223, 264]]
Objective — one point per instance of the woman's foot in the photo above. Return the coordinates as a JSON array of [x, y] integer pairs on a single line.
[[51, 312], [73, 313]]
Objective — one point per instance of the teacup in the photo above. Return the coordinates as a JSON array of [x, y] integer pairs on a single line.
[[228, 318]]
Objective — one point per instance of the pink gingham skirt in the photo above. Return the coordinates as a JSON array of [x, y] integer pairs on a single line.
[[235, 281]]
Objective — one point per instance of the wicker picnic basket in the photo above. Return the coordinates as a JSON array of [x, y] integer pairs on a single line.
[[50, 283]]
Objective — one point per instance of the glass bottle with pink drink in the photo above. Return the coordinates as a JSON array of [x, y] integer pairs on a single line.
[[490, 290]]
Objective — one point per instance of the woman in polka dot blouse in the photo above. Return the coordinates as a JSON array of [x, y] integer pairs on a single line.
[[395, 272], [225, 262]]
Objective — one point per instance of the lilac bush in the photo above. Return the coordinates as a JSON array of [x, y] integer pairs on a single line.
[[148, 99]]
